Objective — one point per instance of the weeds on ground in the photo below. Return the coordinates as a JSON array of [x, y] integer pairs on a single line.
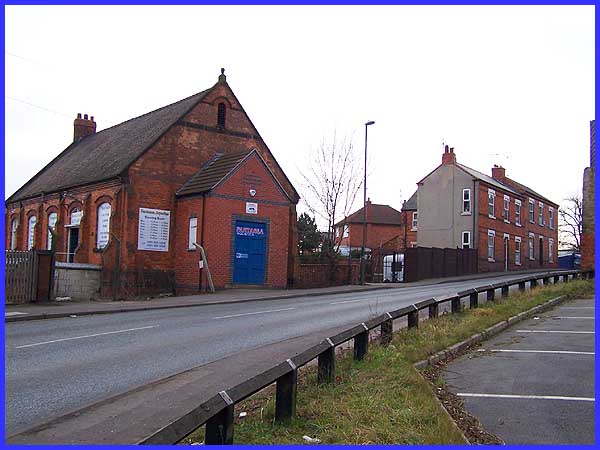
[[383, 399]]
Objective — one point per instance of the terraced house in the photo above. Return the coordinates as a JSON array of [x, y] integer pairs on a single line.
[[135, 198], [512, 226]]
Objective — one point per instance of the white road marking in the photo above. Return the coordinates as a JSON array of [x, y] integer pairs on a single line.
[[347, 301], [252, 313], [14, 313], [577, 307], [561, 352], [572, 317], [530, 397], [87, 336], [550, 331]]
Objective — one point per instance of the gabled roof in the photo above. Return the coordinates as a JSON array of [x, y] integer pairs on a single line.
[[529, 192], [218, 169], [377, 214], [411, 203], [107, 153], [486, 178]]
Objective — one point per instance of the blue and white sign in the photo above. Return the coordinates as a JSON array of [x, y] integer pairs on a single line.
[[249, 231], [251, 208]]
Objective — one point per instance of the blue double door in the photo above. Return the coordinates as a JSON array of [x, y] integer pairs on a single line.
[[250, 248]]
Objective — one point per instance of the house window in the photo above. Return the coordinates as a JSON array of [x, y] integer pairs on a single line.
[[52, 218], [491, 249], [14, 225], [531, 247], [31, 232], [193, 232], [466, 205], [541, 214], [415, 220], [466, 239], [531, 210], [346, 232], [551, 250], [221, 115], [551, 218], [518, 212], [102, 225], [517, 250], [337, 232], [491, 199], [506, 206]]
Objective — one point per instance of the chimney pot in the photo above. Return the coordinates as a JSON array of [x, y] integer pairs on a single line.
[[85, 117], [79, 115], [448, 157], [83, 127], [498, 172]]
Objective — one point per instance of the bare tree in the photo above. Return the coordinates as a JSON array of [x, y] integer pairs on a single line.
[[571, 220], [332, 181]]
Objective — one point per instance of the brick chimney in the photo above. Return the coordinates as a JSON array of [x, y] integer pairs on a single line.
[[83, 127], [448, 157], [498, 172], [368, 209]]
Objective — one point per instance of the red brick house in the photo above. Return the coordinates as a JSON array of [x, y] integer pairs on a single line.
[[512, 226], [134, 197], [588, 228]]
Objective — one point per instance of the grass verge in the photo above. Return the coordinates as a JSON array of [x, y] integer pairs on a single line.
[[382, 399]]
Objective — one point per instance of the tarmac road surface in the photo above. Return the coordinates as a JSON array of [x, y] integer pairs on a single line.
[[56, 366]]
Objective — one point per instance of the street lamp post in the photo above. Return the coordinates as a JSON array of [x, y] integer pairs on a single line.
[[364, 218]]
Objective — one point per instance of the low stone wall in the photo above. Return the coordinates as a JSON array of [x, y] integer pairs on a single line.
[[78, 281]]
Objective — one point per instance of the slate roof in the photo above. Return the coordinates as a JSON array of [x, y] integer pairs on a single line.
[[213, 172], [411, 203], [489, 180], [378, 214], [107, 153], [529, 191]]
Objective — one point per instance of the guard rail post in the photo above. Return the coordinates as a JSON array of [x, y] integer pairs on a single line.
[[326, 370], [522, 286], [361, 344], [285, 394], [474, 300], [565, 278], [455, 304], [434, 311], [533, 283], [505, 290], [413, 319], [546, 281], [387, 330], [491, 293], [219, 428], [556, 278]]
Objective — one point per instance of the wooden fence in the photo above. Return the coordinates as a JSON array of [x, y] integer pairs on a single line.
[[218, 411], [28, 276], [421, 263]]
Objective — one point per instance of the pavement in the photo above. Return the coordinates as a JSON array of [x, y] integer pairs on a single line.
[[52, 310], [534, 383]]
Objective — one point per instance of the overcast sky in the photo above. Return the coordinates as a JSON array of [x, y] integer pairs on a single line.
[[509, 85]]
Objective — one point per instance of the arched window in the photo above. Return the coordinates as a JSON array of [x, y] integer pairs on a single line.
[[14, 224], [52, 218], [103, 225], [31, 232], [221, 115]]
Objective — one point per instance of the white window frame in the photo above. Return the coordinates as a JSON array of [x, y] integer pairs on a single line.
[[551, 250], [337, 232], [531, 210], [14, 226], [346, 232], [531, 247], [517, 250], [53, 226], [192, 233], [466, 202], [506, 209], [415, 220], [518, 212], [551, 217], [31, 224], [492, 233], [540, 214], [492, 203], [468, 241]]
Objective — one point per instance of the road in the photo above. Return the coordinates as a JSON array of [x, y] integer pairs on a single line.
[[56, 366]]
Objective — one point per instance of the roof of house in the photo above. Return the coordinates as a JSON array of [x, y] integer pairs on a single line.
[[378, 214], [107, 153], [411, 203], [213, 172], [486, 178], [529, 191]]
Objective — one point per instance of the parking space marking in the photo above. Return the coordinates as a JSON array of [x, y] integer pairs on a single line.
[[560, 352], [347, 301], [527, 397], [555, 331], [252, 313]]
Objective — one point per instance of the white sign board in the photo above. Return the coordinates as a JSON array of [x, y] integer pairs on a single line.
[[251, 208], [76, 217], [153, 230], [103, 225]]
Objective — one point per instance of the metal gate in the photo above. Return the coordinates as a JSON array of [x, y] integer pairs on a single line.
[[249, 253], [20, 276]]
